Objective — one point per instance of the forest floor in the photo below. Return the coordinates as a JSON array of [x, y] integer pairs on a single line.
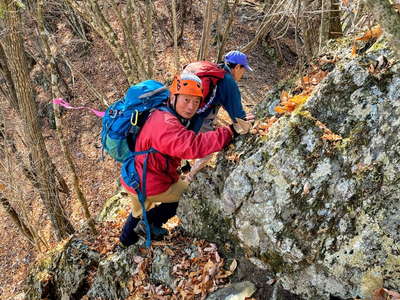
[[99, 179]]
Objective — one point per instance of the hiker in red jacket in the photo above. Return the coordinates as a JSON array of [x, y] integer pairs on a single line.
[[220, 89], [166, 131]]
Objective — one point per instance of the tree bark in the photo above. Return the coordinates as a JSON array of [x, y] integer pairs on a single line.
[[16, 219], [202, 54], [324, 25], [221, 48], [149, 39], [9, 93], [92, 14], [335, 25], [52, 70], [15, 54], [175, 36]]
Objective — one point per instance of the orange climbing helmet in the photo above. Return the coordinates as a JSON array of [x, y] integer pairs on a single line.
[[186, 84]]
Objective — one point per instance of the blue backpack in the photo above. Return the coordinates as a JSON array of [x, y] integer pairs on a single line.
[[121, 124], [124, 118]]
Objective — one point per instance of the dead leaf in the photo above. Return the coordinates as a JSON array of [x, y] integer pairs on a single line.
[[306, 189], [396, 6], [379, 294], [354, 51], [299, 99], [284, 96], [233, 266], [374, 32], [280, 109], [331, 137], [384, 294]]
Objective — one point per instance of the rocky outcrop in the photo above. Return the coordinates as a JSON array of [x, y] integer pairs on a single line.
[[301, 212], [62, 273], [319, 215]]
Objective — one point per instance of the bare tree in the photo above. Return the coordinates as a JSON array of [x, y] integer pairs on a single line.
[[52, 70], [125, 49], [228, 25], [16, 60], [8, 89], [335, 23], [175, 34], [16, 218], [276, 15], [205, 35]]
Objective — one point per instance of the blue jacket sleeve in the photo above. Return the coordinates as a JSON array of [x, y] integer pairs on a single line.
[[228, 95]]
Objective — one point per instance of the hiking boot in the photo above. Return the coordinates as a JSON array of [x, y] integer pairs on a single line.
[[157, 233], [119, 247]]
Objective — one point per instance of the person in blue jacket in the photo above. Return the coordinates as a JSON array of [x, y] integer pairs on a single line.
[[227, 95]]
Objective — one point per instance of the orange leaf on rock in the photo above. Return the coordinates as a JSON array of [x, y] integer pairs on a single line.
[[290, 106], [280, 109], [284, 96], [299, 99], [353, 50], [331, 137], [317, 77], [374, 32]]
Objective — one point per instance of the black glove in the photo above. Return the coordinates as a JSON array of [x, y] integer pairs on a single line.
[[235, 133], [186, 168]]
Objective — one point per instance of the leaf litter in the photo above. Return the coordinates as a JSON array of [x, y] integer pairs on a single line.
[[197, 267]]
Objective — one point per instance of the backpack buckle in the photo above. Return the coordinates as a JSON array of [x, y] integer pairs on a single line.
[[136, 117], [114, 113]]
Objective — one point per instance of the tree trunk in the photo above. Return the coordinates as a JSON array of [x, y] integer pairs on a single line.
[[16, 219], [52, 70], [9, 92], [175, 35], [335, 25], [202, 54], [324, 25], [13, 48], [224, 37], [149, 39]]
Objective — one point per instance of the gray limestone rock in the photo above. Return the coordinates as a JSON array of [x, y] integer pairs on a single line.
[[62, 274], [114, 274], [321, 214], [161, 269], [235, 291]]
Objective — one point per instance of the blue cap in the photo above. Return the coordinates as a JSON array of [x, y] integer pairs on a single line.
[[237, 57]]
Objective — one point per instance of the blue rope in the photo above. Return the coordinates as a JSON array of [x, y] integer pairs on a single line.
[[142, 196]]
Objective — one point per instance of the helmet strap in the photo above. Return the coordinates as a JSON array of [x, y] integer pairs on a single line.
[[176, 100]]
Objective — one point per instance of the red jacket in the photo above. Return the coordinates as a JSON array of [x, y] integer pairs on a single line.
[[165, 133]]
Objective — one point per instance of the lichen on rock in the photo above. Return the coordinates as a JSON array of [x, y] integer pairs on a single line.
[[322, 215]]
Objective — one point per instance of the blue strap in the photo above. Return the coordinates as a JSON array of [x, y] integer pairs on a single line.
[[142, 195]]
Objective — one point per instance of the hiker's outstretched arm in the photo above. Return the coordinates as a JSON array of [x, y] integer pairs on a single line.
[[175, 140]]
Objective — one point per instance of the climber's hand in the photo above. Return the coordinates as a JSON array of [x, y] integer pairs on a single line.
[[250, 117], [241, 126]]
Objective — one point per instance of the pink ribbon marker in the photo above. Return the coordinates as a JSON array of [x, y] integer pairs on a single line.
[[63, 103]]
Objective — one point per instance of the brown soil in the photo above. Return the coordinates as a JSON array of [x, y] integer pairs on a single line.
[[99, 178]]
